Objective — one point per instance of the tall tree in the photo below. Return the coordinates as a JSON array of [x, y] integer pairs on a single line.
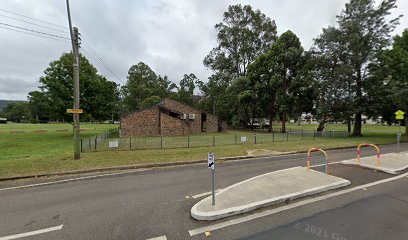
[[333, 76], [243, 35], [365, 32], [98, 95], [143, 83], [185, 93], [243, 101], [274, 75]]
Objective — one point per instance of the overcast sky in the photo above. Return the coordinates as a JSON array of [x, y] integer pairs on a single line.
[[171, 36]]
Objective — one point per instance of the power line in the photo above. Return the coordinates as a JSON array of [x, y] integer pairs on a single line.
[[91, 52], [33, 24], [21, 15], [33, 34], [34, 31], [98, 58], [102, 63]]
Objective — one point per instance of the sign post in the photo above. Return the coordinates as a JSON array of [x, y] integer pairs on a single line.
[[211, 165], [399, 115]]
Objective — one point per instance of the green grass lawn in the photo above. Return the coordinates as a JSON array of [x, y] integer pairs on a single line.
[[45, 152], [26, 151]]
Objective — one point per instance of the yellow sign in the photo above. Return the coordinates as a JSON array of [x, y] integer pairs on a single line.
[[75, 110], [399, 115]]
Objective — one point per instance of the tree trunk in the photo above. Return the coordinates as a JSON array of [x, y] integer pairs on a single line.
[[359, 93], [284, 122], [349, 125], [321, 123], [357, 125]]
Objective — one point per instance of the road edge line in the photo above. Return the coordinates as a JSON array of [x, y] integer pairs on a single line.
[[288, 207]]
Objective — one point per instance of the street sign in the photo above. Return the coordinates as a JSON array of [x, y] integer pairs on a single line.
[[75, 110], [399, 115], [211, 165], [211, 160], [243, 139]]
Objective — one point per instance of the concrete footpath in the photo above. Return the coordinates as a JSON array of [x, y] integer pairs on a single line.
[[267, 189], [392, 163]]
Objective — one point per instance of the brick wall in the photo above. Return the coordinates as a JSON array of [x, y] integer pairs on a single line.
[[141, 123], [173, 126], [195, 125], [154, 122]]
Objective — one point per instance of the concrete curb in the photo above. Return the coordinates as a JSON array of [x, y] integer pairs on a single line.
[[394, 171], [154, 165], [223, 213]]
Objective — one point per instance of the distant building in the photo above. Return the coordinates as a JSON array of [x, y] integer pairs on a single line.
[[169, 117], [3, 120]]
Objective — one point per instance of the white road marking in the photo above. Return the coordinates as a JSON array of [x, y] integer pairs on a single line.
[[156, 238], [288, 207], [71, 179], [27, 234], [130, 171], [204, 194]]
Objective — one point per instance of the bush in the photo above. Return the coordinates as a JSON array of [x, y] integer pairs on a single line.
[[34, 120]]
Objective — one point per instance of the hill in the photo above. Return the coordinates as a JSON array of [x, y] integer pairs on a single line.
[[4, 103]]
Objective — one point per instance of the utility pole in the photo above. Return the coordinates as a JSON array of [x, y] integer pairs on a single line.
[[75, 50]]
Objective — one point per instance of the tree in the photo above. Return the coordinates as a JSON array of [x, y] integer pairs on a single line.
[[243, 35], [39, 105], [150, 101], [17, 112], [390, 75], [365, 32], [143, 83], [274, 76], [265, 85], [185, 93], [98, 96], [243, 101], [333, 75]]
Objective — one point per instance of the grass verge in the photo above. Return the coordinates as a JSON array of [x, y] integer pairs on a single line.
[[61, 160]]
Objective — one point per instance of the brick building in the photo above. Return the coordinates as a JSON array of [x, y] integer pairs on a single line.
[[168, 117]]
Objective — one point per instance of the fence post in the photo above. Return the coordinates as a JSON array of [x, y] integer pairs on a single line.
[[96, 140], [213, 140], [81, 146], [255, 139], [235, 139], [273, 136], [161, 142], [90, 145], [314, 134], [287, 136], [188, 141], [130, 143], [330, 133]]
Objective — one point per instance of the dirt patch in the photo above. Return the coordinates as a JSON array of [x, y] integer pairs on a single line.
[[263, 152]]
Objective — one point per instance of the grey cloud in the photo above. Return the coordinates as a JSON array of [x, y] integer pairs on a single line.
[[171, 36]]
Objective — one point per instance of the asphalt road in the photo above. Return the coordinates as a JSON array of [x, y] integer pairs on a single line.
[[153, 203]]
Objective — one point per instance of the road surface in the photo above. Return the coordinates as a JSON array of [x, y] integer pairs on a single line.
[[154, 203]]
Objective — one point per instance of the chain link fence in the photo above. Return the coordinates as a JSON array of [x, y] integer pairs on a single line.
[[110, 140]]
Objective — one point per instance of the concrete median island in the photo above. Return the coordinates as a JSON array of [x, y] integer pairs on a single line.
[[392, 163], [265, 190]]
